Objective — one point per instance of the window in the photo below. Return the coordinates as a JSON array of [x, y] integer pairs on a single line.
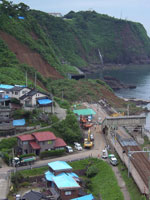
[[25, 91], [25, 142], [16, 93], [50, 142], [7, 92], [68, 193], [43, 142]]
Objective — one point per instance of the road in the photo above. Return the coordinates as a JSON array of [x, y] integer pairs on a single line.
[[96, 151]]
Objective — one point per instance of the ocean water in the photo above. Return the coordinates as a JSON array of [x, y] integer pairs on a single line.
[[138, 75]]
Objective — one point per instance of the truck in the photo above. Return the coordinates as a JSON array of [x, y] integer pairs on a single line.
[[16, 162]]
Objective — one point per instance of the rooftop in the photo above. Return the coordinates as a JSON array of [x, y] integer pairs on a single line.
[[26, 137], [34, 145], [32, 195], [86, 197], [44, 101], [64, 181], [59, 165], [44, 136], [59, 142], [84, 112]]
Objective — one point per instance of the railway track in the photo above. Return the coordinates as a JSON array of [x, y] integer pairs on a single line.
[[140, 162]]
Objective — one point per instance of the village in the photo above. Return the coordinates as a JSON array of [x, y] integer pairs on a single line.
[[103, 136]]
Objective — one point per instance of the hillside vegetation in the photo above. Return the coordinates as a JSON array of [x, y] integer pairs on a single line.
[[51, 47]]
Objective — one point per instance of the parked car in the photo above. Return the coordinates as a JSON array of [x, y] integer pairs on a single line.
[[113, 160], [104, 153], [78, 146], [69, 149]]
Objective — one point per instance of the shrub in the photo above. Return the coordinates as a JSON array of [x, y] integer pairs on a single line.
[[17, 178], [92, 171], [50, 153], [9, 143]]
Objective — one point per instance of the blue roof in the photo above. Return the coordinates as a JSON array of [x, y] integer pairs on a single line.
[[6, 97], [65, 181], [44, 101], [6, 86], [19, 122], [59, 165], [20, 17], [86, 197], [49, 175]]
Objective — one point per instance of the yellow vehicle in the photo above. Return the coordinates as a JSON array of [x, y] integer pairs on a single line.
[[117, 114], [87, 141]]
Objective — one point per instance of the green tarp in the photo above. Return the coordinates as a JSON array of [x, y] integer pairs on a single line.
[[84, 112]]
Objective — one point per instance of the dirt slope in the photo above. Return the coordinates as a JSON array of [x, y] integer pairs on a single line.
[[25, 55]]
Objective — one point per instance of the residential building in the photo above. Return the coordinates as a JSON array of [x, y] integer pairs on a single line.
[[62, 182], [38, 142], [14, 91], [30, 98]]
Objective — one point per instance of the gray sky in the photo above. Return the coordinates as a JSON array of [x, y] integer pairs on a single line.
[[134, 10]]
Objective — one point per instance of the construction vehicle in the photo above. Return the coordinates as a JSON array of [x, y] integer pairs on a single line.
[[87, 141], [16, 162], [86, 124], [117, 114]]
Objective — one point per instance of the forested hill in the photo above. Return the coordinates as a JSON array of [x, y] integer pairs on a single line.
[[47, 42]]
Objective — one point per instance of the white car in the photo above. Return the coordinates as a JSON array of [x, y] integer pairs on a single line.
[[113, 159], [78, 146], [69, 149]]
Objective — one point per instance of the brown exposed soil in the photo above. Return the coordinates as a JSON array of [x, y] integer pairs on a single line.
[[25, 55]]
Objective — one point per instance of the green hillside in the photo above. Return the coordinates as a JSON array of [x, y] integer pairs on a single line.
[[52, 46]]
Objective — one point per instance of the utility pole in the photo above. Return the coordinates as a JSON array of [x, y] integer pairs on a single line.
[[35, 81], [62, 94], [130, 153], [26, 79], [128, 107]]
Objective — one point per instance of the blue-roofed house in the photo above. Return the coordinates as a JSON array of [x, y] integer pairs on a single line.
[[66, 186], [58, 167], [62, 182]]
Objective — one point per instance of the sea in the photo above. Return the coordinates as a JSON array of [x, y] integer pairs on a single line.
[[138, 75]]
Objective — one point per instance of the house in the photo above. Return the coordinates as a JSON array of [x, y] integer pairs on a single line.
[[38, 142], [14, 91], [28, 97], [62, 182], [58, 167], [34, 97]]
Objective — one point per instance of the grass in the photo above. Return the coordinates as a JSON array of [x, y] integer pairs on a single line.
[[34, 172], [104, 184], [130, 184]]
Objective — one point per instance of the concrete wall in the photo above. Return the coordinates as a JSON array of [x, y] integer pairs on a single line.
[[138, 180]]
